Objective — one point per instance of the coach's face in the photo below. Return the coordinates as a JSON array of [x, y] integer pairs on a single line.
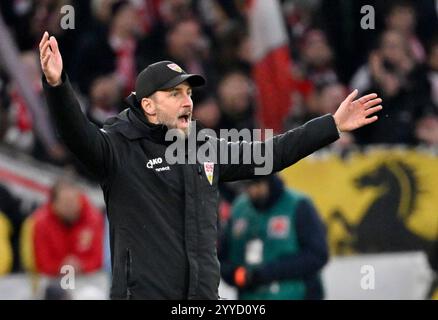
[[172, 107]]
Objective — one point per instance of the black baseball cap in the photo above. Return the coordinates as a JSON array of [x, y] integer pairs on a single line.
[[163, 75]]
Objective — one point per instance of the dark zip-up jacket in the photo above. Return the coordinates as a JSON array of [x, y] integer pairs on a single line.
[[163, 218]]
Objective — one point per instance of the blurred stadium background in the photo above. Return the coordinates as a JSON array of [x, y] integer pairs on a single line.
[[269, 64]]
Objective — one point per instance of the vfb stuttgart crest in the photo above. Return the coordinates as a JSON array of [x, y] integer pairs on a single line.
[[175, 67], [209, 170]]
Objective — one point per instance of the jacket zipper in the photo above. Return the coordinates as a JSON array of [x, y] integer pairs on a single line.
[[128, 273]]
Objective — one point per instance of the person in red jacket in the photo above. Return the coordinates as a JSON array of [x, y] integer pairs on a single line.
[[68, 230]]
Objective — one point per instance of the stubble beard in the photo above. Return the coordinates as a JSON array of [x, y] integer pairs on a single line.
[[172, 124]]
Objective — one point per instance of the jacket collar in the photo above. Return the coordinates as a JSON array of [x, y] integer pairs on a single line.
[[132, 123]]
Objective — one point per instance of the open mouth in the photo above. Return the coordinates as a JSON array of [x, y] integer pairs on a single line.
[[184, 118]]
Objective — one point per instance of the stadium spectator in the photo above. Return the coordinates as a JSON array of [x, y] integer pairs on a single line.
[[299, 16], [21, 132], [236, 101], [110, 52], [402, 18], [234, 48], [185, 44], [433, 70], [274, 246], [207, 37], [207, 110], [104, 99], [322, 101], [68, 230], [393, 73], [27, 20], [317, 58]]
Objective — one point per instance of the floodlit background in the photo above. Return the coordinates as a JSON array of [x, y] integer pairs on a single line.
[[269, 64]]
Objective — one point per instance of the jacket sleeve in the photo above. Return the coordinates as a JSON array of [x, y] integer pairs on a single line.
[[313, 253], [90, 145], [276, 153]]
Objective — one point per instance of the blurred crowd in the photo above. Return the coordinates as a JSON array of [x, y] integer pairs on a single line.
[[113, 40]]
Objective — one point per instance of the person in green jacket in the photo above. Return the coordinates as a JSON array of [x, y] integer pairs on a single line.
[[274, 245]]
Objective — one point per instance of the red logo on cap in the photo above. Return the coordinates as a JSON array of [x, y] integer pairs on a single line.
[[175, 67]]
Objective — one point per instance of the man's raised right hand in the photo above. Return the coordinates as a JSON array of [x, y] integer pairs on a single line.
[[51, 60]]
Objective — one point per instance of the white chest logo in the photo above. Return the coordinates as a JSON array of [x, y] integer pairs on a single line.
[[151, 163], [209, 170]]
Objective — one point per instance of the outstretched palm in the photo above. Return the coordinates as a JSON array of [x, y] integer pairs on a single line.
[[353, 114], [51, 60]]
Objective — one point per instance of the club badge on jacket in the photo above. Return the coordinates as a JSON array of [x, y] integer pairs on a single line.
[[209, 169]]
